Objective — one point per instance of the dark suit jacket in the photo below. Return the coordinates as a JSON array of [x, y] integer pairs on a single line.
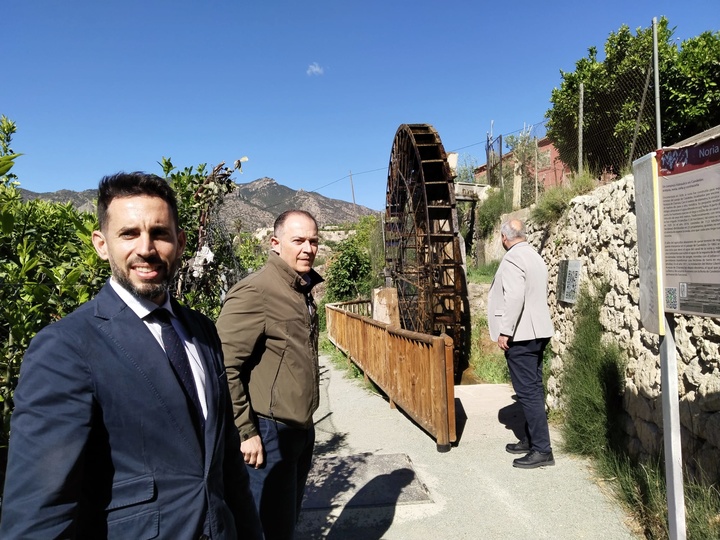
[[102, 444]]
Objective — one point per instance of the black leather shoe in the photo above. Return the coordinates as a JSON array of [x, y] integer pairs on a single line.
[[522, 447], [534, 459]]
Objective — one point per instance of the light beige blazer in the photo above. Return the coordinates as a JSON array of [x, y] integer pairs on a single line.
[[517, 303]]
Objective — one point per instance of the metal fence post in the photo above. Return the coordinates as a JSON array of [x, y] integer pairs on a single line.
[[580, 128]]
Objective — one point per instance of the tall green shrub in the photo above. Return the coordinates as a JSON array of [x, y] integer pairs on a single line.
[[48, 267], [490, 211], [210, 266], [556, 200], [592, 382], [348, 274]]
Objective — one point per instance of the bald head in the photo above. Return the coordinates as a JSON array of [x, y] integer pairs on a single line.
[[512, 232]]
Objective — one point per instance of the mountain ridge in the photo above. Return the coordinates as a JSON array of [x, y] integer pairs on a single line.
[[251, 206]]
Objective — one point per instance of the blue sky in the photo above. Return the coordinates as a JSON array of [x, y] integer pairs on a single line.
[[309, 91]]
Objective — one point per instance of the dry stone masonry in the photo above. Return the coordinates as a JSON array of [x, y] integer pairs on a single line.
[[599, 229]]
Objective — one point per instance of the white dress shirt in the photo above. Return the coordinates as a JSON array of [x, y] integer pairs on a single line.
[[143, 309]]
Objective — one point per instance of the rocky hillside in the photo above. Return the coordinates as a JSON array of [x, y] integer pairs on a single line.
[[255, 204], [258, 203], [82, 200]]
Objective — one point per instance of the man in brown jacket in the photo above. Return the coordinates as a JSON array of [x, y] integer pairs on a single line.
[[269, 332]]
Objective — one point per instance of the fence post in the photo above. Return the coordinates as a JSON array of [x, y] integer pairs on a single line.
[[439, 394], [580, 128], [658, 126], [450, 387]]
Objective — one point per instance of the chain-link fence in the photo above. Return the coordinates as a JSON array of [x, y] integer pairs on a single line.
[[528, 165], [618, 122], [610, 124], [604, 118], [494, 153]]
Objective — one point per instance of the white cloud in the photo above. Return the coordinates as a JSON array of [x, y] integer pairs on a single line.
[[314, 69]]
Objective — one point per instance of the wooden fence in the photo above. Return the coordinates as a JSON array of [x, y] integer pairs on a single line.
[[414, 370]]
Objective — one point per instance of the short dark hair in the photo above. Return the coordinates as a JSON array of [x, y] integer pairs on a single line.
[[282, 218], [133, 184]]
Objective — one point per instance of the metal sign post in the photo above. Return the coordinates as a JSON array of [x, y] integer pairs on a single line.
[[655, 320], [671, 432]]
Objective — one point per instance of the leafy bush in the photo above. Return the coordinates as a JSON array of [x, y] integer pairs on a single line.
[[489, 212], [555, 200], [352, 271], [250, 252], [369, 236], [48, 267], [210, 266], [348, 274]]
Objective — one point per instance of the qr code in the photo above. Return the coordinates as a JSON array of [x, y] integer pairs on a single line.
[[571, 285], [671, 298]]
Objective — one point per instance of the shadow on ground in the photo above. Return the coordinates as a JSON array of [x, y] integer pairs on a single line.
[[513, 418], [354, 497]]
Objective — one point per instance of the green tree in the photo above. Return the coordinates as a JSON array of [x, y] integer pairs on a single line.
[[527, 161], [466, 169], [348, 274], [613, 96], [691, 94], [369, 238], [210, 266], [490, 211], [250, 252], [48, 267], [357, 263]]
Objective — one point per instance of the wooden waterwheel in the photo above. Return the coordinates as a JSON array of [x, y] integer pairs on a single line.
[[422, 242]]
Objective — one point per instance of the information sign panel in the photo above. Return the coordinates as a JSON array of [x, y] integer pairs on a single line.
[[689, 180], [652, 315]]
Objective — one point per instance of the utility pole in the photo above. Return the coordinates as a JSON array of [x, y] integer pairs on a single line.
[[352, 190], [536, 169]]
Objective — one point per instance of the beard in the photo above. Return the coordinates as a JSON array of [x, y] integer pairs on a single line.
[[149, 291]]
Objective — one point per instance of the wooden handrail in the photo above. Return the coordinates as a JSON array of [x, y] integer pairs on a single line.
[[414, 370]]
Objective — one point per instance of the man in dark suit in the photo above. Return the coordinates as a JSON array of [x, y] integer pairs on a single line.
[[117, 433]]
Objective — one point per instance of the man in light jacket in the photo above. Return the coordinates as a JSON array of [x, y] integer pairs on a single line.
[[519, 320]]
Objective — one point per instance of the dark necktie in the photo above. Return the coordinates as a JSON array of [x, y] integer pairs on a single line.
[[175, 351]]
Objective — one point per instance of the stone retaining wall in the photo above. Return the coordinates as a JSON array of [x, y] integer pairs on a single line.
[[599, 229]]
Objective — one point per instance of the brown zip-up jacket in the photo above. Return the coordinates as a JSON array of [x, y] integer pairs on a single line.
[[270, 344]]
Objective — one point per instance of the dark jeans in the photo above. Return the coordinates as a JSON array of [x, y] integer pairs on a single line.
[[524, 360], [278, 486]]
